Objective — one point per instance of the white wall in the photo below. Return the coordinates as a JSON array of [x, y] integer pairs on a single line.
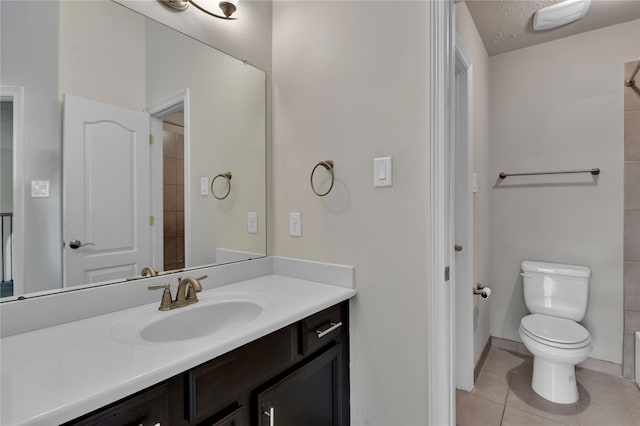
[[247, 38], [102, 53], [227, 130], [42, 127], [472, 43], [558, 106], [350, 83]]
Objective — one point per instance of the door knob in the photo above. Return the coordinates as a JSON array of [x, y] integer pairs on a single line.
[[76, 244], [457, 247]]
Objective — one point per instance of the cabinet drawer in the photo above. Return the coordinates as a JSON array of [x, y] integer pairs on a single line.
[[321, 328], [147, 409], [219, 383]]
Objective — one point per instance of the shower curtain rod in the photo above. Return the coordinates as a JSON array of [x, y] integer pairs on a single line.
[[630, 82]]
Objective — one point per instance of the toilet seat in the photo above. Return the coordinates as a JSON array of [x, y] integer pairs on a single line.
[[555, 332]]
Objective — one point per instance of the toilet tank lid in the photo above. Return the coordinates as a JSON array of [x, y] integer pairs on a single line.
[[556, 269]]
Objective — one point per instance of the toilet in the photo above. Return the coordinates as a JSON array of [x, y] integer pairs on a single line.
[[557, 296]]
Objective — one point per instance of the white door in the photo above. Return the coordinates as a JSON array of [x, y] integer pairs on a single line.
[[463, 225], [106, 184]]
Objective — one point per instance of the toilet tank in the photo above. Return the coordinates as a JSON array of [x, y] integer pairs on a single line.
[[556, 289]]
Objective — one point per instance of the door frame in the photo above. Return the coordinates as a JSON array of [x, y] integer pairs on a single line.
[[158, 111], [440, 384], [462, 217], [16, 95]]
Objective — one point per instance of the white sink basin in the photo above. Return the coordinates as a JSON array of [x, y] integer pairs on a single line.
[[205, 318]]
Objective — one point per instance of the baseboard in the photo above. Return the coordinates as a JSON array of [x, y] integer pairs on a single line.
[[599, 365], [481, 360], [510, 345]]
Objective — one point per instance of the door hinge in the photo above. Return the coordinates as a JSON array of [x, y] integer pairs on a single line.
[[446, 273], [152, 220], [150, 139]]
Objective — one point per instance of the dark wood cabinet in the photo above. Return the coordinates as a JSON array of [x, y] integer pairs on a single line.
[[230, 378], [235, 417], [309, 396], [319, 329], [300, 372], [147, 408]]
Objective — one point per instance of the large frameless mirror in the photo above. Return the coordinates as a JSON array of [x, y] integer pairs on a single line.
[[126, 147]]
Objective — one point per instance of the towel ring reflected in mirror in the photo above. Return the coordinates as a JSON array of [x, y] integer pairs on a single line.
[[328, 165], [227, 177]]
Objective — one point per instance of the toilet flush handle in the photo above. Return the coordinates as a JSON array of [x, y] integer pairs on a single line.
[[525, 275]]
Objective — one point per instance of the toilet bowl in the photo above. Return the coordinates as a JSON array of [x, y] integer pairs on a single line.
[[557, 345], [557, 296]]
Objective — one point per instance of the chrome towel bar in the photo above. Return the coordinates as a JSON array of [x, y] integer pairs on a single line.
[[595, 172], [630, 82]]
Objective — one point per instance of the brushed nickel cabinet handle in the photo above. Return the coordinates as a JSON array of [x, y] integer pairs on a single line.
[[272, 416], [332, 326]]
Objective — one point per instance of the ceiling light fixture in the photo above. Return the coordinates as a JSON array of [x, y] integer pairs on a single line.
[[560, 14], [227, 7]]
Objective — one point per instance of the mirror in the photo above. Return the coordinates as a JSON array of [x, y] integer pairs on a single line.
[[96, 198]]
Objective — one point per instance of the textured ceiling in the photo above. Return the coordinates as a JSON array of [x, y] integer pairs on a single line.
[[506, 25]]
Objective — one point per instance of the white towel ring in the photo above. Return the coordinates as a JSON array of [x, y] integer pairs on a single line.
[[227, 176], [328, 165]]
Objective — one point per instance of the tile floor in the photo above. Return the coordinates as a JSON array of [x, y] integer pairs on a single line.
[[503, 396]]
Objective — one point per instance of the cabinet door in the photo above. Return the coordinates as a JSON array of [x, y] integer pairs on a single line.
[[309, 396], [235, 418]]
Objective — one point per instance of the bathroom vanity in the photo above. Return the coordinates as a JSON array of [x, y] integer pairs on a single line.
[[298, 374], [280, 349]]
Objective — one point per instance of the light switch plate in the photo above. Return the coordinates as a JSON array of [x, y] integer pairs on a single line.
[[204, 186], [382, 172], [295, 224], [40, 189], [252, 222]]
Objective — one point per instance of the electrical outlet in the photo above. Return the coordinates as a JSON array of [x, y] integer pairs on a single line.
[[295, 224], [252, 222]]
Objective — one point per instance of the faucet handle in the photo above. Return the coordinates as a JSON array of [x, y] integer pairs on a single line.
[[166, 301], [158, 287]]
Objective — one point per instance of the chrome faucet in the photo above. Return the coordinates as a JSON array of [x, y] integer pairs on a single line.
[[186, 294]]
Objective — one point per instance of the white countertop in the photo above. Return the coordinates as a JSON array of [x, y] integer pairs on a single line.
[[55, 374]]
